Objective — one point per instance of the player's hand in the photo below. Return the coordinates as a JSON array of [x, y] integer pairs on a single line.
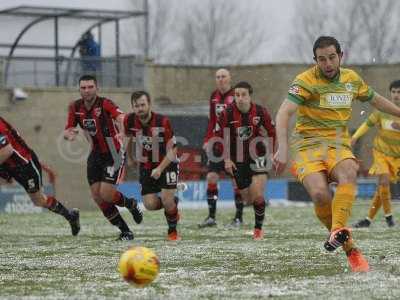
[[205, 146], [156, 173], [230, 166], [280, 160], [70, 134]]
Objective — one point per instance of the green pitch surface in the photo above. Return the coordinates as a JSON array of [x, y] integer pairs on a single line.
[[40, 260]]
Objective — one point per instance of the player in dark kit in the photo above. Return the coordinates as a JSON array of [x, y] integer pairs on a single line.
[[249, 138], [19, 162], [98, 116], [156, 151], [219, 100]]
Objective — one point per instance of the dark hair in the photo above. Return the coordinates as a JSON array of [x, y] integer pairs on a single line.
[[244, 85], [137, 94], [326, 41], [394, 85], [87, 77]]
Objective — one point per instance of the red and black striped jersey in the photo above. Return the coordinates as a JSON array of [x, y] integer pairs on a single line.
[[22, 154], [218, 103], [153, 140], [246, 131], [98, 122]]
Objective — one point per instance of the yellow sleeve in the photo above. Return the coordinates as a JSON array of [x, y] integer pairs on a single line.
[[366, 125], [373, 119], [299, 92], [365, 93], [360, 131]]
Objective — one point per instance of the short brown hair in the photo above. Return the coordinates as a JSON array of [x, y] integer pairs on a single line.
[[137, 94], [88, 77]]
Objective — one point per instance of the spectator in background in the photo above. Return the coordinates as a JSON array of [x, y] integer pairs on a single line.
[[89, 51]]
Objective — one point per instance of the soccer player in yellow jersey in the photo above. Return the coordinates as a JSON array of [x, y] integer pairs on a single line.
[[322, 98], [386, 153]]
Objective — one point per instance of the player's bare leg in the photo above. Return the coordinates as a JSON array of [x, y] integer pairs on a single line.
[[51, 203], [317, 187], [152, 202], [171, 212]]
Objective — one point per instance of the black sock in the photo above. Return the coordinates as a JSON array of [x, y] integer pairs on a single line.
[[172, 219], [259, 212], [239, 206], [120, 223], [112, 214], [57, 207], [212, 196]]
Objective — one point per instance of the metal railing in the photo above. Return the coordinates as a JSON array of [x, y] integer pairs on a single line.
[[50, 72]]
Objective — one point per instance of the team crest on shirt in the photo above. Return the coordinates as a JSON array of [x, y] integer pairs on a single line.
[[90, 126], [294, 89], [245, 132], [97, 111], [146, 142], [256, 120], [348, 86], [219, 108]]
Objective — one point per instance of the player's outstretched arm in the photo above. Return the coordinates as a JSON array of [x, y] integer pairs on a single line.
[[384, 105], [363, 129], [285, 112], [6, 152], [70, 133]]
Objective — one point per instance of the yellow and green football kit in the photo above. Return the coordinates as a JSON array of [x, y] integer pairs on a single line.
[[321, 138]]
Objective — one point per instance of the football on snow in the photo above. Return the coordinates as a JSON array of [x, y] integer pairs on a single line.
[[139, 266]]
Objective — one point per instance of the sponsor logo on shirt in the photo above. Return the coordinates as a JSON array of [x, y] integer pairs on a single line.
[[90, 126], [336, 100], [97, 111], [256, 120]]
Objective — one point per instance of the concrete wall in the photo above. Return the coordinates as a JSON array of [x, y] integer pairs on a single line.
[[41, 118]]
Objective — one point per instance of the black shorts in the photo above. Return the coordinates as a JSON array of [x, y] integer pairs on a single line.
[[245, 171], [101, 168], [216, 167], [167, 180], [28, 175]]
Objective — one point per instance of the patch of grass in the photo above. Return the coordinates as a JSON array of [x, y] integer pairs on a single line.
[[40, 260]]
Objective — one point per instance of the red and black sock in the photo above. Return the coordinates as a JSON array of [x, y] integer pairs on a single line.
[[239, 205], [112, 214], [172, 218], [259, 212], [56, 207], [123, 201], [212, 197]]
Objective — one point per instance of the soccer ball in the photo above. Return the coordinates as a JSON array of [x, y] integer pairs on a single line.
[[139, 266]]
